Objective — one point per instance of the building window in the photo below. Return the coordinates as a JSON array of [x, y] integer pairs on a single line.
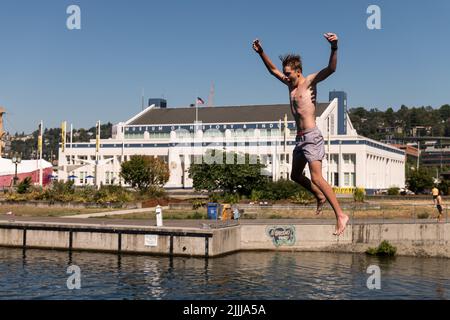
[[349, 158], [334, 159], [211, 133], [346, 179], [349, 179], [184, 134], [336, 179], [346, 159]]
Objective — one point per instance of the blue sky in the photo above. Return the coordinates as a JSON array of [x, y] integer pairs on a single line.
[[175, 49]]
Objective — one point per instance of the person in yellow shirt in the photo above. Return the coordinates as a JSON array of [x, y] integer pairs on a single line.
[[435, 193]]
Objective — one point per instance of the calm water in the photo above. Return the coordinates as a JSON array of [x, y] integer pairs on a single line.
[[41, 274]]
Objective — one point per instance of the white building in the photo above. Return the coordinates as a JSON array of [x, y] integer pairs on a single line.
[[173, 135]]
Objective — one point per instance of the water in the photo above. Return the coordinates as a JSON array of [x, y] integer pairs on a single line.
[[41, 274]]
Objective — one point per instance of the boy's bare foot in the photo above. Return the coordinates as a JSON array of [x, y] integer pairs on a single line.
[[320, 203], [341, 225]]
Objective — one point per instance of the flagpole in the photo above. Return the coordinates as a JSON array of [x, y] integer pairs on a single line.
[[63, 145], [97, 147], [40, 152], [196, 111]]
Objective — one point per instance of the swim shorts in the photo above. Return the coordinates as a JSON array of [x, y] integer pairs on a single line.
[[310, 145]]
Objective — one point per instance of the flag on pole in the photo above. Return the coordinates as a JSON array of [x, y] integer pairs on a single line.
[[97, 137], [40, 138], [63, 135], [200, 101]]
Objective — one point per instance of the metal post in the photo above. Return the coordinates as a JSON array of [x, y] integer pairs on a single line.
[[15, 175]]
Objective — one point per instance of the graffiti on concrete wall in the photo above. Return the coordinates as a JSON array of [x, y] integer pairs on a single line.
[[281, 235]]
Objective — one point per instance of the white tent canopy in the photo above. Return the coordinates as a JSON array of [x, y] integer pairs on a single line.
[[7, 167]]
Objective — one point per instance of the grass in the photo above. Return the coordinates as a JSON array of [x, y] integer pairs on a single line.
[[29, 211], [167, 214]]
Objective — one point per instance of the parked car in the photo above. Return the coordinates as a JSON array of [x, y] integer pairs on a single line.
[[404, 192]]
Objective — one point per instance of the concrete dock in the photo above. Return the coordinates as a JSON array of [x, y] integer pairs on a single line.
[[207, 238]]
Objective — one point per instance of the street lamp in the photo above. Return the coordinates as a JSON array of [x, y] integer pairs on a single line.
[[16, 159]]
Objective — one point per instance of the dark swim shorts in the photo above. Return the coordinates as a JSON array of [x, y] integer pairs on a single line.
[[310, 145]]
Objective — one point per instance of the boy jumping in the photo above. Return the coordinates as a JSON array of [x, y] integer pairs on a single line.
[[310, 143]]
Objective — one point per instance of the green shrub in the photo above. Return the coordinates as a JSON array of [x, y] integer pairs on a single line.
[[198, 203], [214, 197], [231, 198], [156, 192], [278, 190], [302, 197], [256, 195], [393, 191], [423, 215], [112, 194], [384, 249], [24, 185], [275, 216], [359, 194], [197, 215]]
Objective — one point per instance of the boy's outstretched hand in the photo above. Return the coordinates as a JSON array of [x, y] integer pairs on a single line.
[[331, 37], [257, 46]]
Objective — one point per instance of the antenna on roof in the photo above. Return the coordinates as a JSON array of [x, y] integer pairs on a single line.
[[142, 100]]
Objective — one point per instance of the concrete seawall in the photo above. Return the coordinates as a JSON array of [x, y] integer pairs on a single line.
[[427, 239], [420, 239]]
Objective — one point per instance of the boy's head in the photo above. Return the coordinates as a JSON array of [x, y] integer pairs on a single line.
[[292, 66]]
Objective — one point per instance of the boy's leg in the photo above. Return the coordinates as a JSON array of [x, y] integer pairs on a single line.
[[316, 177], [298, 165]]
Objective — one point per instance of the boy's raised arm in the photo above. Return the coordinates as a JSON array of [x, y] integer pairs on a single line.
[[269, 65], [332, 63]]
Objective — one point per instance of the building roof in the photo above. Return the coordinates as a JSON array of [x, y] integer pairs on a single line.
[[228, 114], [411, 151]]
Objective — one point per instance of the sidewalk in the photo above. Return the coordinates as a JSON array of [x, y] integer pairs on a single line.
[[112, 213]]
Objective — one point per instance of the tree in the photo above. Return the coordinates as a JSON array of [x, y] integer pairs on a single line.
[[143, 172], [444, 187], [444, 112], [228, 177], [420, 180]]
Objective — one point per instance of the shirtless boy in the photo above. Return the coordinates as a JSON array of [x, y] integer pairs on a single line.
[[439, 207], [310, 144]]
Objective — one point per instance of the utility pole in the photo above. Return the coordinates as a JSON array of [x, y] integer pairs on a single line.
[[418, 154]]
